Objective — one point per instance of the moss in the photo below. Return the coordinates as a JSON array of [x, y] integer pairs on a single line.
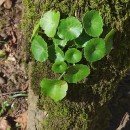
[[85, 106], [65, 117], [40, 71]]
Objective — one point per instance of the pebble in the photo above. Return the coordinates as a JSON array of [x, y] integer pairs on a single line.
[[8, 4], [2, 81]]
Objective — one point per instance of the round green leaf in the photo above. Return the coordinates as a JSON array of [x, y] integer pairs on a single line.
[[69, 28], [59, 42], [55, 89], [95, 49], [49, 22], [109, 40], [59, 67], [73, 55], [81, 41], [39, 48], [93, 23], [76, 73]]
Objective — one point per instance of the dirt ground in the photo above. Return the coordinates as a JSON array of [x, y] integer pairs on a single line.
[[13, 78]]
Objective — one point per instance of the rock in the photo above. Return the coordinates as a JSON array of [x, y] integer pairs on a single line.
[[2, 1], [4, 124], [2, 81], [8, 4]]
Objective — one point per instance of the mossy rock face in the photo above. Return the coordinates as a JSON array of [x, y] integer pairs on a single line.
[[85, 106]]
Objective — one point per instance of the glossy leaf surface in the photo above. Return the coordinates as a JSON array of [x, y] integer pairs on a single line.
[[60, 42], [55, 89], [35, 30], [73, 55], [109, 40], [59, 67], [93, 23], [76, 73], [95, 49], [59, 54], [69, 28], [49, 22], [39, 48], [55, 53]]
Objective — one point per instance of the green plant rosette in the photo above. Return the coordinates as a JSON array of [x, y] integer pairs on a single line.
[[95, 49], [55, 89], [39, 48], [59, 67], [93, 23], [82, 40], [69, 28], [109, 40], [76, 73], [49, 22], [73, 55]]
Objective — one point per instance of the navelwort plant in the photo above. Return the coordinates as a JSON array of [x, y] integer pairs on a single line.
[[72, 40]]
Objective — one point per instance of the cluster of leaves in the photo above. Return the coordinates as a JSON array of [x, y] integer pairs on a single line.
[[72, 41]]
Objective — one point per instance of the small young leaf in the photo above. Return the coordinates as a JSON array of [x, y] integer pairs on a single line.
[[81, 41], [73, 55], [95, 49], [109, 40], [59, 54], [93, 23], [59, 42], [55, 53], [69, 28], [76, 73], [59, 67], [55, 89], [49, 22], [35, 30], [39, 48]]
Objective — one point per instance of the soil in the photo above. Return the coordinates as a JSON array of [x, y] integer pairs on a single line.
[[13, 78]]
